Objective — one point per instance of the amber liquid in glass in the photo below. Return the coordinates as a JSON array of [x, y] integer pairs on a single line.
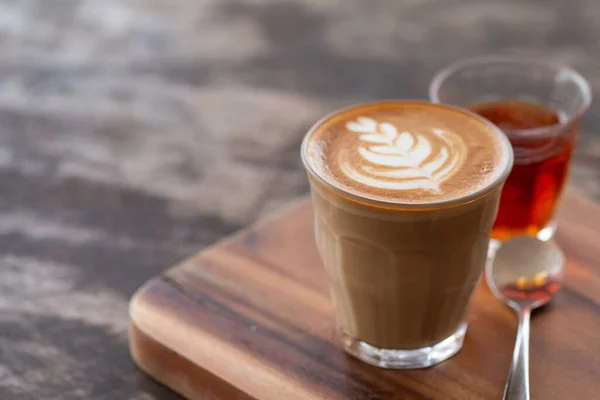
[[540, 170]]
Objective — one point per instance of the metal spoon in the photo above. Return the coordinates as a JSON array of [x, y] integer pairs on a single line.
[[524, 274]]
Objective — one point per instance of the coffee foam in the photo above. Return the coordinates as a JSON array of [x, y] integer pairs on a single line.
[[406, 152]]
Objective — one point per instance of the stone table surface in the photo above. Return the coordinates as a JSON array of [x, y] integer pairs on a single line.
[[135, 132]]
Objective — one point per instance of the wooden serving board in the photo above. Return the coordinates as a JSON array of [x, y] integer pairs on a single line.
[[250, 318]]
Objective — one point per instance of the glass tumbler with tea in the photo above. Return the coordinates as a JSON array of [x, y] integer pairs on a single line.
[[539, 107]]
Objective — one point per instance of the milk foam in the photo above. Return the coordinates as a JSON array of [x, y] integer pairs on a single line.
[[402, 160], [407, 152]]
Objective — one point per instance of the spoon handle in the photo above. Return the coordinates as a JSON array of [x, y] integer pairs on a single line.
[[517, 384]]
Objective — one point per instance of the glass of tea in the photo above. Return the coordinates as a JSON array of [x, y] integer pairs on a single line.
[[538, 106]]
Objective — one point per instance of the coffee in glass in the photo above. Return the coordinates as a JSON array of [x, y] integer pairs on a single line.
[[405, 194]]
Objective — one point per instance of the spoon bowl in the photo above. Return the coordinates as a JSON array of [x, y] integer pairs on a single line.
[[526, 272]]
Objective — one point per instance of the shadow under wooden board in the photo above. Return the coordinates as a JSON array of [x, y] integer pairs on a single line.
[[250, 318]]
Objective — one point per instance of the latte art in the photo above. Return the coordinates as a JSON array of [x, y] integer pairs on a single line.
[[406, 152], [392, 160]]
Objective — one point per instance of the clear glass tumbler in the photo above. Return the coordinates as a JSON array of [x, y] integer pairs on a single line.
[[402, 275], [538, 106]]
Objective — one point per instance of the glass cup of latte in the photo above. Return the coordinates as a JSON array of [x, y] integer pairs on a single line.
[[405, 194]]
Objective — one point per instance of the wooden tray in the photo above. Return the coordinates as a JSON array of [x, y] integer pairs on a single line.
[[250, 318]]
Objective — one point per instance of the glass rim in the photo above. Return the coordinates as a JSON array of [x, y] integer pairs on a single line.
[[442, 75], [453, 202]]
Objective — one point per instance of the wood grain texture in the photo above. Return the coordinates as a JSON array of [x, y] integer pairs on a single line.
[[250, 318]]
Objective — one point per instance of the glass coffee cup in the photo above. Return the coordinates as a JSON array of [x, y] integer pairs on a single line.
[[404, 200]]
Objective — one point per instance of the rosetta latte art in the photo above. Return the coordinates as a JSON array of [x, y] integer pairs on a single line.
[[393, 160]]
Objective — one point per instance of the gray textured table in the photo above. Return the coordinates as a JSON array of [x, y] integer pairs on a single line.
[[133, 133]]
